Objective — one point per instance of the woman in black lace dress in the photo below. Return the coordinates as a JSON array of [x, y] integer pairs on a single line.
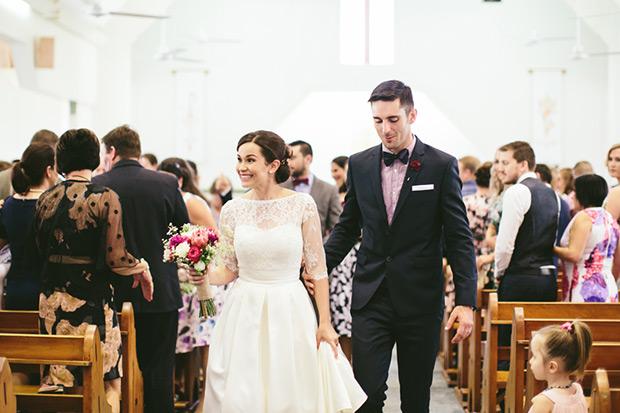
[[77, 228]]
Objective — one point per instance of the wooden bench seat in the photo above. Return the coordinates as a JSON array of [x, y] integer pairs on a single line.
[[132, 400], [603, 330], [500, 313], [84, 351], [605, 396], [7, 395]]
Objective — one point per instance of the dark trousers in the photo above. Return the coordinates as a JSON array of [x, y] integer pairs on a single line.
[[523, 287], [375, 330], [156, 337]]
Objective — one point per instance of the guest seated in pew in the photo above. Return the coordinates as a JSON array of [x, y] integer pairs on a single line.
[[588, 247], [78, 239], [32, 176], [559, 356]]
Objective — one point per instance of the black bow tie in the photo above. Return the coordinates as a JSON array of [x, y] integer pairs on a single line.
[[389, 157]]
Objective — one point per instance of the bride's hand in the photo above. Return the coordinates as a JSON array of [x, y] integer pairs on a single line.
[[327, 333], [195, 277]]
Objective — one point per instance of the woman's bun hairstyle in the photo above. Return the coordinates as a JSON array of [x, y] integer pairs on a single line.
[[272, 148]]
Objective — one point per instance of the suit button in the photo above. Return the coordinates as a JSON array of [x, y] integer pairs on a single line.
[[388, 258]]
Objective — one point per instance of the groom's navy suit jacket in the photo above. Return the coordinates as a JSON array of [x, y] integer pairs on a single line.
[[408, 253]]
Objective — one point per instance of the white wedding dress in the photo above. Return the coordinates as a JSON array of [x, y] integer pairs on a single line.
[[263, 355]]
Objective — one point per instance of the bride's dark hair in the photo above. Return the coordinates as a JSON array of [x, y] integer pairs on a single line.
[[272, 147]]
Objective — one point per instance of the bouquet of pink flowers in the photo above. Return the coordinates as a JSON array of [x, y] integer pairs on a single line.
[[196, 247]]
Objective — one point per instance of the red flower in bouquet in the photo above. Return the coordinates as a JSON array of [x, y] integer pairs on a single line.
[[194, 254], [414, 165]]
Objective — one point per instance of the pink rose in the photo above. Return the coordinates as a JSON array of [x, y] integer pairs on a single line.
[[194, 254]]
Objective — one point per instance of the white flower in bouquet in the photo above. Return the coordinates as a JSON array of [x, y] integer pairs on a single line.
[[200, 266], [182, 249]]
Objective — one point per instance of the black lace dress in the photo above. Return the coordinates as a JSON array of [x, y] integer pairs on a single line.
[[78, 240]]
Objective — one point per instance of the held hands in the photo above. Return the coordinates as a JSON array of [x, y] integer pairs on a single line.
[[327, 333], [308, 281], [465, 317], [146, 283]]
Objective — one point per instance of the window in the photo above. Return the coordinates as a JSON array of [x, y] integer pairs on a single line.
[[366, 32]]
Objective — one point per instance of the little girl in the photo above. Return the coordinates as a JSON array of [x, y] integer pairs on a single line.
[[557, 353]]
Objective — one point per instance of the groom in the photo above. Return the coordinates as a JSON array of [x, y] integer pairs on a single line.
[[403, 195]]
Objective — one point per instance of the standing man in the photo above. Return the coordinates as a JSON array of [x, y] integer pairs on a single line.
[[467, 169], [150, 201], [524, 246], [325, 195], [401, 195]]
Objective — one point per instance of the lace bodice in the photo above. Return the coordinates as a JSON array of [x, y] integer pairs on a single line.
[[266, 241]]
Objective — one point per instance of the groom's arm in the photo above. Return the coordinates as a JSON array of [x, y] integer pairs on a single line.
[[458, 237], [348, 229]]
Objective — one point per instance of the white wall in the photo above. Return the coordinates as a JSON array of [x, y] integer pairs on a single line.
[[468, 57], [23, 110]]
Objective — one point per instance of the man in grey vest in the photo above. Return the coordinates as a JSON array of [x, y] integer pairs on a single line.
[[527, 231]]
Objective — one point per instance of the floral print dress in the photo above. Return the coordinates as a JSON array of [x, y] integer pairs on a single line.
[[78, 241], [590, 278]]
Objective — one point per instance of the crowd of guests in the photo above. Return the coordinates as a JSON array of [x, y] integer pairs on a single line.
[[77, 240], [532, 223]]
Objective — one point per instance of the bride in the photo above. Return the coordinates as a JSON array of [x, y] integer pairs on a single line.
[[267, 353]]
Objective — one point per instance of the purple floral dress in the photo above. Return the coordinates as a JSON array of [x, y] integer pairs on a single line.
[[590, 279]]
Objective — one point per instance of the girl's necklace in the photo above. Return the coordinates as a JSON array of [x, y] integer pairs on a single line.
[[559, 387], [37, 190]]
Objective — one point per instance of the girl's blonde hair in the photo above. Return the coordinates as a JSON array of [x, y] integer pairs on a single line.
[[570, 343]]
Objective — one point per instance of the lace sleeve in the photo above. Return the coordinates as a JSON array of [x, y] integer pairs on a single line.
[[226, 248], [314, 255]]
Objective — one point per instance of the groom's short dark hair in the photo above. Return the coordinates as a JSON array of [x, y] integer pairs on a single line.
[[390, 90]]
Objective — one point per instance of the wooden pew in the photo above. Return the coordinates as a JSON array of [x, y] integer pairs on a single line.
[[500, 313], [474, 370], [523, 328], [7, 397], [132, 400], [132, 397], [476, 348], [83, 351], [605, 397]]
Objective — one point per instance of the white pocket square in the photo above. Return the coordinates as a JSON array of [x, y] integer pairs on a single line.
[[425, 187]]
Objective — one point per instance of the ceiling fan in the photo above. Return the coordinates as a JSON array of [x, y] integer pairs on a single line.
[[98, 11], [165, 53], [536, 39], [201, 37], [579, 53]]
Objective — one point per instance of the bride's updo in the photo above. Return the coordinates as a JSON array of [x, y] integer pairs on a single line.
[[272, 147]]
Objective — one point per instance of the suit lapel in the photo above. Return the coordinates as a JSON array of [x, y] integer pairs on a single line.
[[410, 176], [375, 178]]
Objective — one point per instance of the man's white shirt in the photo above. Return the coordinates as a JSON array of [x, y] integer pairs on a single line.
[[517, 201]]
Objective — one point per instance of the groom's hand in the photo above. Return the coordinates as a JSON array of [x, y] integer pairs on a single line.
[[309, 281], [464, 315]]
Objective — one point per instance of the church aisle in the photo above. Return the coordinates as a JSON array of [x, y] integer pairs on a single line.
[[443, 399]]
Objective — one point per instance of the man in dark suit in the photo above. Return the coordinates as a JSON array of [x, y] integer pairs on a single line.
[[302, 179], [402, 194], [150, 200]]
